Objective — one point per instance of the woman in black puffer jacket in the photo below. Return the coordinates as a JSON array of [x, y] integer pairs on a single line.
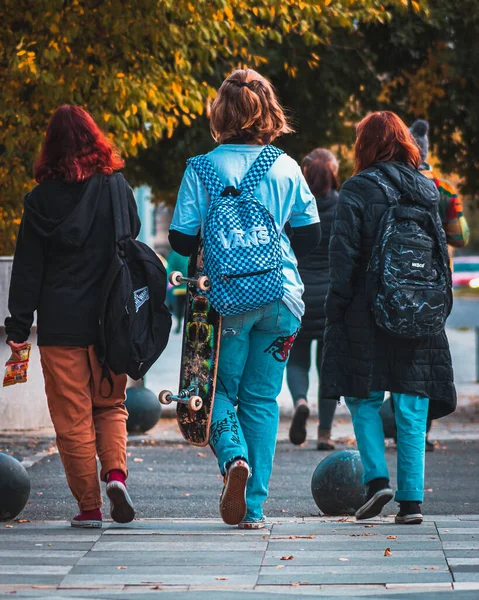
[[362, 361], [320, 168]]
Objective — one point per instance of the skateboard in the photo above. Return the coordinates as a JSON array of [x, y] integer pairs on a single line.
[[199, 356]]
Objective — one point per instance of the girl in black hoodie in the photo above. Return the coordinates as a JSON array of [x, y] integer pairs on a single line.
[[64, 247], [320, 168]]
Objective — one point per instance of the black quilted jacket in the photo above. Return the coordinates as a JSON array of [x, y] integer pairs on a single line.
[[314, 272], [357, 356]]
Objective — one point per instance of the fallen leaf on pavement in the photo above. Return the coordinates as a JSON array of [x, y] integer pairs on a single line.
[[185, 495], [284, 510], [137, 460], [279, 567], [201, 454], [22, 521], [392, 537], [388, 552], [429, 490], [221, 578], [290, 557], [121, 568], [344, 559], [8, 526], [414, 569]]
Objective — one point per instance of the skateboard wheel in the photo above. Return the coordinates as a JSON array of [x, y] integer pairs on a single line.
[[203, 283], [176, 277], [195, 403], [165, 397]]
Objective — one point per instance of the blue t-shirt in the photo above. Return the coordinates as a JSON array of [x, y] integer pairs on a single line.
[[283, 191]]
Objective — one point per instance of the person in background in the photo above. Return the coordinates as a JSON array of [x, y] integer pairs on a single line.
[[361, 360], [320, 169], [177, 262], [64, 247], [246, 117], [450, 208]]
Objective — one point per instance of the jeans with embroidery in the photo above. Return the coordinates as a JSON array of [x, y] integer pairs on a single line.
[[411, 416], [253, 354]]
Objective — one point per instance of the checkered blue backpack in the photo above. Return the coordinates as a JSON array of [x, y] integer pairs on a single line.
[[242, 251]]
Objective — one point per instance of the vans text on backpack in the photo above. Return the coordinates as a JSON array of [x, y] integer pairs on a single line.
[[409, 277], [134, 321], [241, 244]]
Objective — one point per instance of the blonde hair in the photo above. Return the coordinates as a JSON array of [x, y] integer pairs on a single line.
[[246, 105]]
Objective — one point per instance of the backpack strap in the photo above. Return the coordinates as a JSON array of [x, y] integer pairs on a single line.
[[119, 203], [121, 225], [207, 174], [259, 168]]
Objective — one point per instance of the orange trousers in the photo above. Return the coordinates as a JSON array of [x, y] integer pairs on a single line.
[[85, 423]]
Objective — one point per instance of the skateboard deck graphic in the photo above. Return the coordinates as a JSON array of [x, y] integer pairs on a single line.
[[199, 357]]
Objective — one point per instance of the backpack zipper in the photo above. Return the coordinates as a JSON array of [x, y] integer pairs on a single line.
[[239, 275]]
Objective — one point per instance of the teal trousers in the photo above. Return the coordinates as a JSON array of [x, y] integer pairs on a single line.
[[411, 417]]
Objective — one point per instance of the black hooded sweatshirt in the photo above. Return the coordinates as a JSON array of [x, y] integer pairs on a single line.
[[64, 247]]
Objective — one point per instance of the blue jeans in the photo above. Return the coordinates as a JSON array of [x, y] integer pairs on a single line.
[[253, 354], [411, 416]]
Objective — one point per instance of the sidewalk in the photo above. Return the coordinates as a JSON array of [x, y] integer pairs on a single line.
[[320, 557]]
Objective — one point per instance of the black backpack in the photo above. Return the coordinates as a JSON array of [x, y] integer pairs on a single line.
[[409, 276], [134, 321]]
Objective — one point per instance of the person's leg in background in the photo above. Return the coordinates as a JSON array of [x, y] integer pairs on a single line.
[[179, 308], [411, 418], [326, 409], [271, 340], [109, 417], [430, 447], [297, 375], [368, 429], [68, 388], [226, 436]]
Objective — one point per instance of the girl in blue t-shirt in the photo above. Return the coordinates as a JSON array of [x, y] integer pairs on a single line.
[[245, 116]]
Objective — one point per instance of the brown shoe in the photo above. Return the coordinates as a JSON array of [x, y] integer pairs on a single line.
[[233, 498], [324, 440]]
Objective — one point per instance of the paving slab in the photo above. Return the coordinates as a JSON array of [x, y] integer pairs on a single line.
[[192, 557], [311, 557]]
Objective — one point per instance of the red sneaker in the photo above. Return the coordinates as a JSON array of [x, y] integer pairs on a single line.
[[88, 519], [121, 506]]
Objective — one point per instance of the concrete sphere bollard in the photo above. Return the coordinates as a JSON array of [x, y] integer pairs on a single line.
[[14, 487], [144, 409], [337, 485]]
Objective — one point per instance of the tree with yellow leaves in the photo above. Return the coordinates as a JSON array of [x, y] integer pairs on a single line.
[[140, 67]]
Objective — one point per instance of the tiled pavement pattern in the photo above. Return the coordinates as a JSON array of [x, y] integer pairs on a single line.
[[195, 558]]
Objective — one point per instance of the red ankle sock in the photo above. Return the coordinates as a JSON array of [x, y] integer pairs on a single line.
[[116, 475], [89, 515]]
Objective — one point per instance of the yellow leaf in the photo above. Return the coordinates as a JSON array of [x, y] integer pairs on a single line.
[[106, 117], [134, 109], [127, 113], [186, 120], [120, 75], [21, 53]]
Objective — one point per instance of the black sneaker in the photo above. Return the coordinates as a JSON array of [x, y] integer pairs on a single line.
[[297, 431], [409, 513], [379, 494]]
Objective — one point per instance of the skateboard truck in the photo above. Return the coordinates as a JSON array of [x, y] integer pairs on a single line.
[[202, 282], [194, 403]]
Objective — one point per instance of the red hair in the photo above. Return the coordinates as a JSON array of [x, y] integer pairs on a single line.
[[384, 137], [75, 148]]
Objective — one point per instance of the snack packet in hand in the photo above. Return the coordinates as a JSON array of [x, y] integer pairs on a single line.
[[16, 368]]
